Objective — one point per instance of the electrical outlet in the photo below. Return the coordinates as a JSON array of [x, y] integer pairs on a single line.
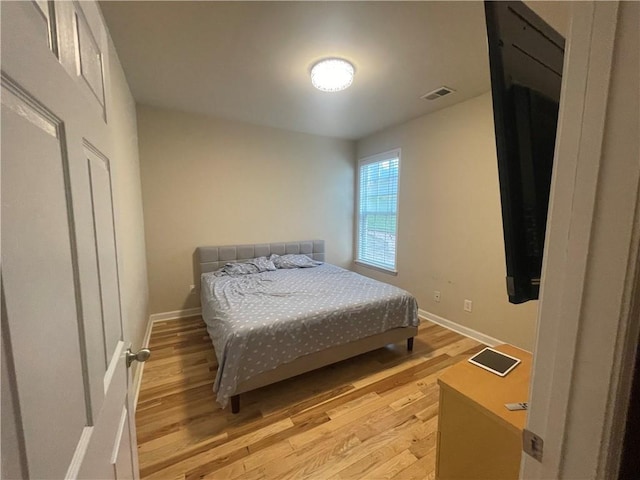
[[436, 295], [192, 290], [468, 305]]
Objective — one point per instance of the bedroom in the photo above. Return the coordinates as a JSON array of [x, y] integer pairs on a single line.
[[459, 194], [451, 183]]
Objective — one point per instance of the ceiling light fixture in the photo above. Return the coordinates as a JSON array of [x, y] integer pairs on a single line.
[[332, 74]]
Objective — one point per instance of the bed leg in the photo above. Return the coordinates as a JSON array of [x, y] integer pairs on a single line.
[[410, 344], [235, 404]]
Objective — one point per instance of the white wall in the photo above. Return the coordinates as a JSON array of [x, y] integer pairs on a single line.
[[127, 195], [207, 181], [555, 13], [450, 224]]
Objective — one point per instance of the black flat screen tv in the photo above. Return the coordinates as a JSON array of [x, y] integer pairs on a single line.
[[525, 59]]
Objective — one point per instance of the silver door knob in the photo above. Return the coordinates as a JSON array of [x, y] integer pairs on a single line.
[[142, 356]]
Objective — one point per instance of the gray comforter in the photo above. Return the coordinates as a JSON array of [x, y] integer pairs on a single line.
[[260, 321]]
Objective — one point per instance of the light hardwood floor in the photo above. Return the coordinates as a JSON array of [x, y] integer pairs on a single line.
[[373, 416]]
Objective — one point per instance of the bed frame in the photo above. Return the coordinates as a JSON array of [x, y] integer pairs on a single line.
[[213, 258]]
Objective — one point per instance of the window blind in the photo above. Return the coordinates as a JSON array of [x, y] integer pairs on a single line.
[[378, 211]]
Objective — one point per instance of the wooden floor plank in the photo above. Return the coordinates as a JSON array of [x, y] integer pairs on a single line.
[[372, 416], [422, 469], [376, 450]]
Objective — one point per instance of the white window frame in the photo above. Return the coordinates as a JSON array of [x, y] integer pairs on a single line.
[[378, 157]]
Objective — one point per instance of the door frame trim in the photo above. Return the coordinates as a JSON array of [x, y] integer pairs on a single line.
[[573, 297]]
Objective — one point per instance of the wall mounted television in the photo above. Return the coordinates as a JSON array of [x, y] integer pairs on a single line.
[[525, 59]]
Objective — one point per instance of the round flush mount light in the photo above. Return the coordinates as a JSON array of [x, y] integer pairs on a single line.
[[332, 74]]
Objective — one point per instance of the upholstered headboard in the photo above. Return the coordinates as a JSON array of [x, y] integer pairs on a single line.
[[213, 258]]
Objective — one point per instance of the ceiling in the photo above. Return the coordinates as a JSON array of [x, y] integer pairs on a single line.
[[250, 61]]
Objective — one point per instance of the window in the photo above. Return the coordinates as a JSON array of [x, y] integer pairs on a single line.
[[378, 210]]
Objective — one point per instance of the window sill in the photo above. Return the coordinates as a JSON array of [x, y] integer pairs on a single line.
[[375, 267]]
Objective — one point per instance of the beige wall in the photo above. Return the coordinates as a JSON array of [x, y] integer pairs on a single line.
[[450, 230], [127, 196], [555, 13], [207, 181]]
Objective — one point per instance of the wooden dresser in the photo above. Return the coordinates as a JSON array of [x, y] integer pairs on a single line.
[[478, 438]]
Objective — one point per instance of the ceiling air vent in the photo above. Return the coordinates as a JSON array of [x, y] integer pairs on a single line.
[[437, 93]]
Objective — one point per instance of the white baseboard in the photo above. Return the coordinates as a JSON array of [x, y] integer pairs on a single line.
[[189, 312], [157, 317], [462, 330]]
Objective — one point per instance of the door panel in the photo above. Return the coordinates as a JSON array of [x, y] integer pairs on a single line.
[[39, 282], [101, 206], [97, 461], [14, 463], [81, 44], [48, 16], [89, 57]]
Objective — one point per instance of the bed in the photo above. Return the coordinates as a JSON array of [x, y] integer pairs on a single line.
[[276, 323]]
